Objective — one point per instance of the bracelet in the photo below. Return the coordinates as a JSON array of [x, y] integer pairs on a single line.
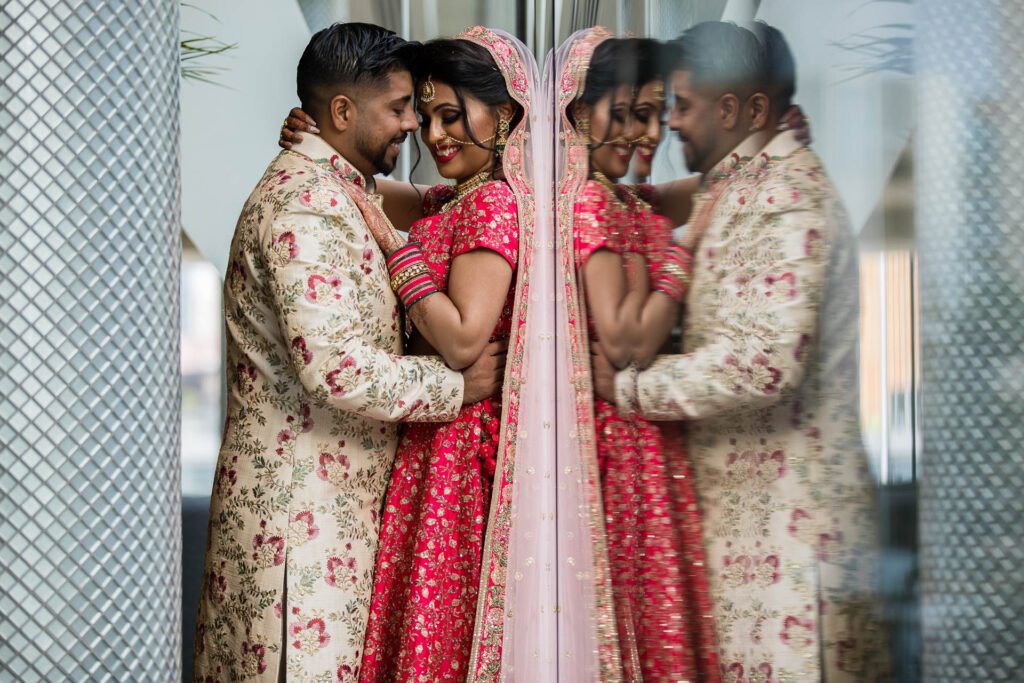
[[403, 277], [410, 275], [673, 278]]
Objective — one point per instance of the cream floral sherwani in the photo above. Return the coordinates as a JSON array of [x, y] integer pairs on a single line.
[[768, 385], [316, 387]]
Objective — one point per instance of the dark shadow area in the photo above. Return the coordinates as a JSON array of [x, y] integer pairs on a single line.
[[195, 511], [900, 578]]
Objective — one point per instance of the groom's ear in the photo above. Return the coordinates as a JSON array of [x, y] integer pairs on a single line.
[[342, 111], [727, 111], [760, 108]]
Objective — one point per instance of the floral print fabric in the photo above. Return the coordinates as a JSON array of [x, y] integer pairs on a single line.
[[768, 386], [316, 386]]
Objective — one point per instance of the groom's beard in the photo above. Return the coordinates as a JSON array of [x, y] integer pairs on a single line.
[[380, 154]]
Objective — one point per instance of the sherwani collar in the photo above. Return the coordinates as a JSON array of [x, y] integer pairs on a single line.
[[733, 161], [779, 147], [319, 150]]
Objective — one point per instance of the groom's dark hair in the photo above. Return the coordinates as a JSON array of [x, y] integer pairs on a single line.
[[721, 56], [346, 56], [778, 66]]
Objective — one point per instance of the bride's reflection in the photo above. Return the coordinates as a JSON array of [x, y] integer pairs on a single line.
[[633, 276]]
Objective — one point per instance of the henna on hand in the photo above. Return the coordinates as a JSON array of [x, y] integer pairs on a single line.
[[295, 124]]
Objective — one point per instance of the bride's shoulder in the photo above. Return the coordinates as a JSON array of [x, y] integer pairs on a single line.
[[495, 194], [593, 196], [593, 189]]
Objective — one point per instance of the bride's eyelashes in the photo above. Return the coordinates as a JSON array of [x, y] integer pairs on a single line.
[[451, 116], [447, 117], [642, 115]]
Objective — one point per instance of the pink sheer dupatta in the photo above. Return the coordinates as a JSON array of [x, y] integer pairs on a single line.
[[545, 609], [587, 633], [515, 631]]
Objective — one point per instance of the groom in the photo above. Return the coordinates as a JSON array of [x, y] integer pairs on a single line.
[[767, 379], [317, 382]]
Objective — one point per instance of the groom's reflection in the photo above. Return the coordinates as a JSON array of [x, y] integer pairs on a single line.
[[766, 383]]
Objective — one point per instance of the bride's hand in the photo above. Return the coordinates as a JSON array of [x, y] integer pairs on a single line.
[[295, 124], [795, 119], [383, 231]]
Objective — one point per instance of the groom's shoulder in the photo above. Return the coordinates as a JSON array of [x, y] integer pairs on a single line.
[[804, 167], [293, 181], [809, 188], [802, 178], [290, 169]]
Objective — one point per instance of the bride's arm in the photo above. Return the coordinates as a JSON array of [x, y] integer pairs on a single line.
[[615, 297], [675, 198], [633, 321], [403, 202], [458, 324], [657, 318]]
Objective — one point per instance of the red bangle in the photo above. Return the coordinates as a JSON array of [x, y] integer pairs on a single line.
[[673, 277], [410, 275]]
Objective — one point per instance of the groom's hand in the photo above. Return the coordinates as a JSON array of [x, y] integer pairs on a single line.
[[483, 378], [604, 373]]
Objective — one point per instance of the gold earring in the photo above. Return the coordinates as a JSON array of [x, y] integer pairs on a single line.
[[583, 127], [499, 145]]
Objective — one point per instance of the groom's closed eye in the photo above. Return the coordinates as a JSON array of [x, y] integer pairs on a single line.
[[401, 105]]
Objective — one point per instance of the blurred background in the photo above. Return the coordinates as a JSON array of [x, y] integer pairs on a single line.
[[914, 108]]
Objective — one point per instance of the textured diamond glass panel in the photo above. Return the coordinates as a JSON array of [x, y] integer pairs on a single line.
[[971, 227], [89, 385]]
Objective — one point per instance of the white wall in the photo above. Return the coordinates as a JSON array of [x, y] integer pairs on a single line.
[[229, 131]]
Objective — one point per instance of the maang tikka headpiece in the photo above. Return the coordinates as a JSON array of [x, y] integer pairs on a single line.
[[427, 92]]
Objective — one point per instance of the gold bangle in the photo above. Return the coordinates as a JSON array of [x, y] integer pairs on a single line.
[[676, 272], [408, 273]]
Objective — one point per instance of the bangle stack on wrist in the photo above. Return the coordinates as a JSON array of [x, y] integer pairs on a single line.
[[673, 278], [410, 275]]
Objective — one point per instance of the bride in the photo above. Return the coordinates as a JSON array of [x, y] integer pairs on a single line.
[[461, 278]]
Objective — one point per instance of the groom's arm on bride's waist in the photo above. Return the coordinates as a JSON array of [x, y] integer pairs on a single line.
[[325, 279], [763, 325]]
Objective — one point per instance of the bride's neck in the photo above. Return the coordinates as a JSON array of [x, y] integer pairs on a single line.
[[486, 170]]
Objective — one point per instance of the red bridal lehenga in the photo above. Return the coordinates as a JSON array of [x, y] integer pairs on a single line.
[[432, 532], [444, 532], [653, 533]]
